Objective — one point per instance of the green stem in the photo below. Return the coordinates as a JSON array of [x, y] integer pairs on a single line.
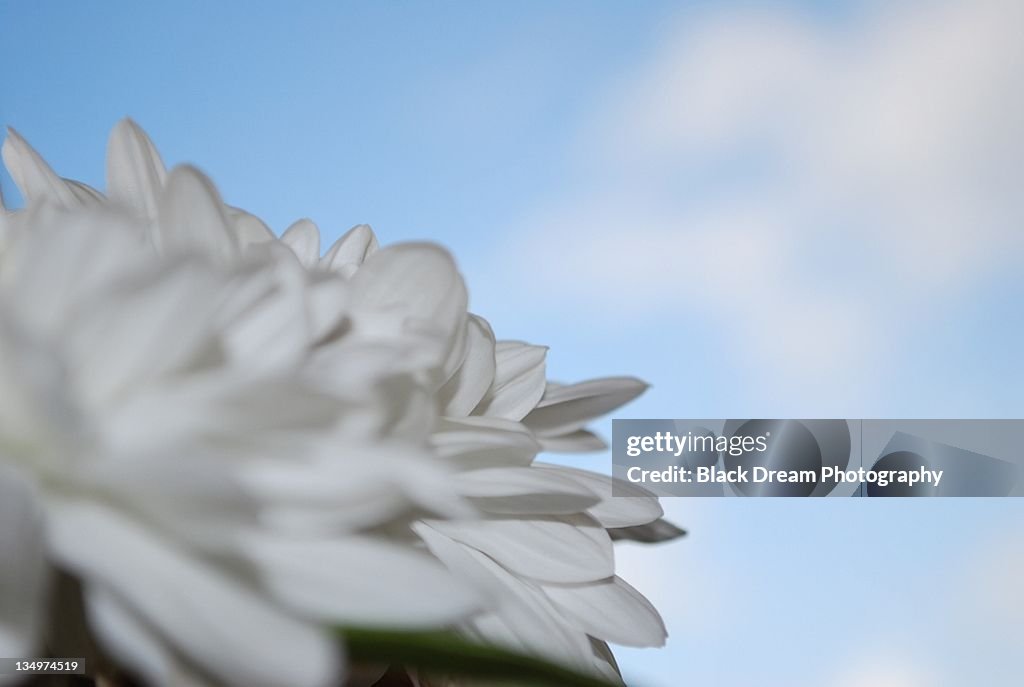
[[447, 653]]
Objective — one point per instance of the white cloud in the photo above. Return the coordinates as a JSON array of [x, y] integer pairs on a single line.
[[992, 590], [800, 183], [896, 673], [986, 603]]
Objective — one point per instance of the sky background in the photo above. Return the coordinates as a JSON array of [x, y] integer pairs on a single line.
[[783, 209]]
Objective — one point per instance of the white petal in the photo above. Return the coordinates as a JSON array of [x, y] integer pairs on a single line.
[[568, 408], [412, 290], [521, 617], [23, 569], [66, 258], [85, 194], [34, 178], [580, 441], [352, 249], [135, 172], [524, 490], [630, 505], [303, 238], [611, 610], [412, 279], [196, 493], [563, 549], [142, 331], [192, 216], [475, 442], [359, 486], [354, 369], [458, 348], [518, 381], [215, 621], [327, 300], [133, 645], [249, 229], [273, 332], [33, 398], [606, 664], [225, 406], [467, 387], [359, 581]]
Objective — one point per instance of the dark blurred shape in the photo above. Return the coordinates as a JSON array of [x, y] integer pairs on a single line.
[[660, 530], [791, 446], [901, 460], [964, 473]]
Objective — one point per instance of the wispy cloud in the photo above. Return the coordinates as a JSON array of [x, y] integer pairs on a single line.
[[991, 590], [887, 673], [802, 185]]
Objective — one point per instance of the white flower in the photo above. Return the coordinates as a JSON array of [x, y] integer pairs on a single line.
[[542, 552], [539, 547], [216, 514], [82, 342]]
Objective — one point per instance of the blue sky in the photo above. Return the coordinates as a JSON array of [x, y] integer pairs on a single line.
[[764, 209]]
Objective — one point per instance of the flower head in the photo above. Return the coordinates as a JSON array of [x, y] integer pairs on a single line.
[[160, 443], [330, 417]]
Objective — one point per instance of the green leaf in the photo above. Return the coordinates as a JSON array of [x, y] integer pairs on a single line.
[[448, 653]]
